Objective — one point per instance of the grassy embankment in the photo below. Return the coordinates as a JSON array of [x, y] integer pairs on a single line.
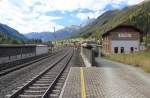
[[140, 59]]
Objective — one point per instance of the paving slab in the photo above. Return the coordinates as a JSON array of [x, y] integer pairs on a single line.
[[109, 80], [72, 85]]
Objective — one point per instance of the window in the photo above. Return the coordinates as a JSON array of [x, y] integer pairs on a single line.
[[115, 49], [132, 49], [122, 49]]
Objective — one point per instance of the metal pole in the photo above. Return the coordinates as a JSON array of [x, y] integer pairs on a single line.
[[147, 35], [54, 35], [147, 31], [147, 25]]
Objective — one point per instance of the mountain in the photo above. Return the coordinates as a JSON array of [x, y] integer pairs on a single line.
[[137, 15], [49, 36], [11, 33], [87, 22], [45, 36]]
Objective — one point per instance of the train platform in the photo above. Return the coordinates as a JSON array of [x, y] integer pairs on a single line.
[[108, 80], [83, 83]]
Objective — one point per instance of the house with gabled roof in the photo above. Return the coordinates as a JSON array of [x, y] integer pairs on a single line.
[[121, 39]]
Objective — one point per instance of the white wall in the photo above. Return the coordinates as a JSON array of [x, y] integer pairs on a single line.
[[86, 61], [41, 49], [126, 44]]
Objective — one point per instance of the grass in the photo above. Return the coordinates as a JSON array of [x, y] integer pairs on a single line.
[[139, 59]]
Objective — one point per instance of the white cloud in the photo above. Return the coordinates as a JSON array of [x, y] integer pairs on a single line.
[[71, 5], [98, 7], [48, 18], [82, 16], [26, 21], [29, 15], [85, 16], [132, 2]]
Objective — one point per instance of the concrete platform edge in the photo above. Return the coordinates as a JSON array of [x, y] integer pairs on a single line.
[[86, 62], [61, 94]]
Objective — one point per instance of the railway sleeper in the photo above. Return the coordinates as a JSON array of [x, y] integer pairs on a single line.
[[47, 77], [33, 92], [53, 95], [57, 87], [43, 81], [56, 91], [59, 83], [30, 96], [37, 88], [40, 85]]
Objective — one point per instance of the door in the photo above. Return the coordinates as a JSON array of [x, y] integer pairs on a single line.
[[132, 49], [122, 50], [115, 50]]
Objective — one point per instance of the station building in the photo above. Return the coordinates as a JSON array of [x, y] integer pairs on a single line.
[[121, 39]]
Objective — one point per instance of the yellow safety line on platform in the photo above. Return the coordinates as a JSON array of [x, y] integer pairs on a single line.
[[83, 87]]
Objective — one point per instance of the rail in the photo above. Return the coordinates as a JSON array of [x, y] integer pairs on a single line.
[[56, 79], [17, 67], [21, 90]]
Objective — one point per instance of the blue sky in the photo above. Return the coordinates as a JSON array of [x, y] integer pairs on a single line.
[[43, 15]]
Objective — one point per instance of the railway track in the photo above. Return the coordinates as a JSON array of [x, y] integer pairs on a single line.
[[46, 84], [17, 67]]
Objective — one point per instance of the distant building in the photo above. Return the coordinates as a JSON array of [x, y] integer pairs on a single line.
[[121, 39]]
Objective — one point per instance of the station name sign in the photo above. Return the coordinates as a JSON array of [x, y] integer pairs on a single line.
[[124, 35]]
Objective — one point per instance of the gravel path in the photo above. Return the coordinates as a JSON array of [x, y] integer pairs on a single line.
[[15, 79]]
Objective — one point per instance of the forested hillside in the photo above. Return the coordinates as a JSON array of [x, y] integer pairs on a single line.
[[8, 40], [138, 15], [11, 33]]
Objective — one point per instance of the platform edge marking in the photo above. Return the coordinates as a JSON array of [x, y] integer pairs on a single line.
[[83, 87], [63, 89]]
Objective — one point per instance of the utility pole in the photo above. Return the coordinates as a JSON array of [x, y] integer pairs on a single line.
[[88, 18], [54, 29], [54, 34]]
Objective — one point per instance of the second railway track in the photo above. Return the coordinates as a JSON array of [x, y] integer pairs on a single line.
[[17, 67], [47, 83]]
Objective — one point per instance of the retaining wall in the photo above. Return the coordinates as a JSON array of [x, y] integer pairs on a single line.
[[88, 56]]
